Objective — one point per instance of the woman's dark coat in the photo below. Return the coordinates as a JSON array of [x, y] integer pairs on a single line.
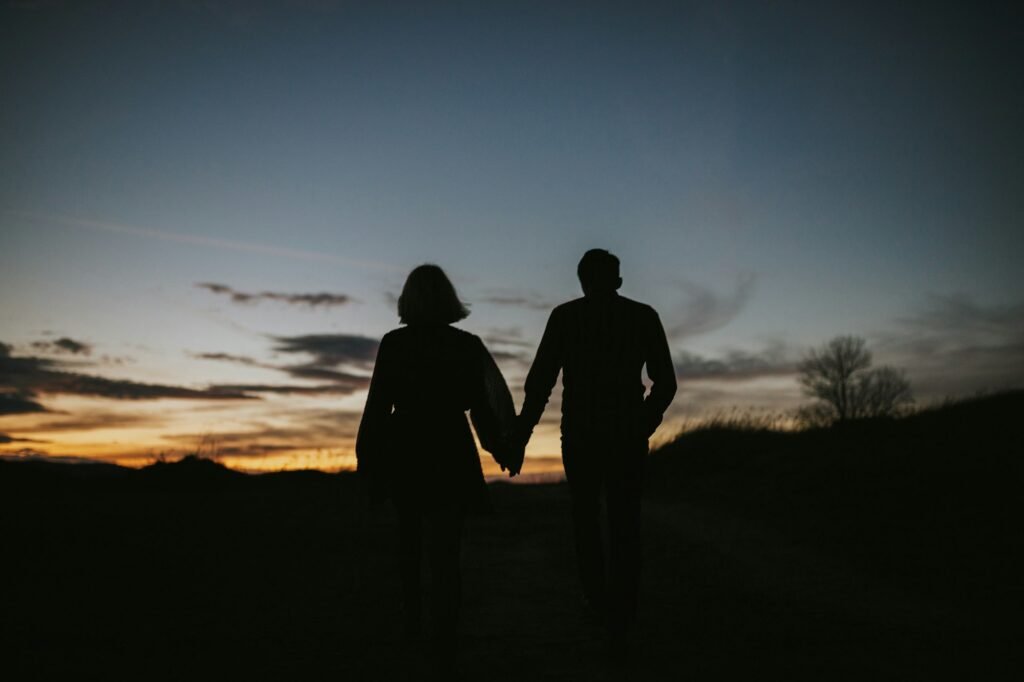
[[414, 441]]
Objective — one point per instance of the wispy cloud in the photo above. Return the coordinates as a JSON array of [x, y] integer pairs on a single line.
[[229, 357], [198, 240], [959, 315], [336, 388], [509, 349], [704, 310], [308, 429], [776, 360], [91, 420], [518, 299], [331, 357], [510, 356], [331, 350], [507, 336], [22, 379], [955, 345], [314, 300], [5, 439], [63, 345]]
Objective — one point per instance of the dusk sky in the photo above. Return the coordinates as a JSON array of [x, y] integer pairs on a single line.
[[208, 208]]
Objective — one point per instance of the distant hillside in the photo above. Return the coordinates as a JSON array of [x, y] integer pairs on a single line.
[[981, 432], [928, 501], [189, 473]]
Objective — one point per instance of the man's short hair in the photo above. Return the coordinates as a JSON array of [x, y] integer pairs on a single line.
[[599, 272]]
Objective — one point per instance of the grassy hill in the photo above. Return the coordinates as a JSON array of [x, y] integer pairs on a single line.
[[900, 535], [879, 550]]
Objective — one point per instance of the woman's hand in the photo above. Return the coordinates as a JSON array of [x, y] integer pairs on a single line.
[[513, 453]]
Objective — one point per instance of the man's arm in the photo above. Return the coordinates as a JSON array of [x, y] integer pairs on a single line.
[[542, 376], [662, 373]]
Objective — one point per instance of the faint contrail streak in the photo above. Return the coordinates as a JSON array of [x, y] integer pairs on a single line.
[[199, 240]]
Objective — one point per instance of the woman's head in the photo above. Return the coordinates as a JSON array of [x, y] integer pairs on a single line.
[[428, 297]]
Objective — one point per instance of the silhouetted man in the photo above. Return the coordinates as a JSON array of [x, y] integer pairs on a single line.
[[601, 343]]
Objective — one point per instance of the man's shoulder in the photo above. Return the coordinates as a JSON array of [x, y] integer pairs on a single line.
[[568, 306], [638, 310], [580, 304], [569, 313], [628, 302]]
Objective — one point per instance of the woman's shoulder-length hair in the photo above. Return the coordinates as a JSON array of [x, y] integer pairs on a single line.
[[428, 297]]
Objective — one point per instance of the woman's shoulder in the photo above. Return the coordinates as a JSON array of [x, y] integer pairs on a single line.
[[465, 337], [413, 333], [392, 337], [398, 341]]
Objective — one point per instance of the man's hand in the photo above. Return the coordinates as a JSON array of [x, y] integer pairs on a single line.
[[515, 451], [518, 437], [515, 464]]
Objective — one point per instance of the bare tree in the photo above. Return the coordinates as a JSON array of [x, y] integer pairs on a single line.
[[827, 373], [838, 377], [882, 392]]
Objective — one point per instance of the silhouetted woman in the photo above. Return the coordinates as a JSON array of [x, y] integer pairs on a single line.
[[415, 445]]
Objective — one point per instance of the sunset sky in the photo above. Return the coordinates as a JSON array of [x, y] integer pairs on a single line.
[[208, 208]]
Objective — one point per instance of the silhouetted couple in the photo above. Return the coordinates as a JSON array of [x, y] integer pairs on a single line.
[[415, 445]]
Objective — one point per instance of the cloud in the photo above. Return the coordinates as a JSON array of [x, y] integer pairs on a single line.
[[311, 300], [229, 357], [196, 240], [5, 438], [91, 421], [507, 336], [960, 316], [528, 300], [510, 356], [737, 365], [512, 353], [955, 345], [331, 350], [63, 345], [328, 351], [23, 378], [290, 389], [18, 403], [318, 373], [705, 311], [309, 430]]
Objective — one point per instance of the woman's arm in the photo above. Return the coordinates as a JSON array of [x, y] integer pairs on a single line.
[[372, 426], [493, 413]]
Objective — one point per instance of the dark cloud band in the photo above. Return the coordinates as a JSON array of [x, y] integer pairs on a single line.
[[313, 300], [23, 378], [63, 345]]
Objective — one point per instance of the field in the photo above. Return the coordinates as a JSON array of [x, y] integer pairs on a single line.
[[881, 550]]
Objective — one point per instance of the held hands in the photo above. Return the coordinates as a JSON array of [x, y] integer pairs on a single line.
[[513, 455], [515, 448]]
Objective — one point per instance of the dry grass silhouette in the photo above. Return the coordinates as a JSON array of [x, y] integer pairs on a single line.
[[867, 550]]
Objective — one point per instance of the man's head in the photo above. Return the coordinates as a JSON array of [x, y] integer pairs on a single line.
[[599, 272]]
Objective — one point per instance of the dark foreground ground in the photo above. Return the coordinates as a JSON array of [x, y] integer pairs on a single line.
[[883, 551]]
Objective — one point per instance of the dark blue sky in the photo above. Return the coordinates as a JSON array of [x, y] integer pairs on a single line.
[[771, 174]]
